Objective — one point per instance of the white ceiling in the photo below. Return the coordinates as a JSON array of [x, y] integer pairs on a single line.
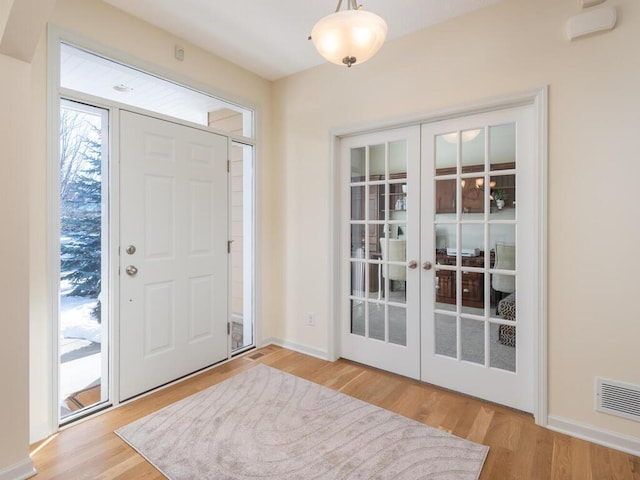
[[269, 37]]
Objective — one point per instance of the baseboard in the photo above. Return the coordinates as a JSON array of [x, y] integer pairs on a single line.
[[618, 441], [19, 471], [307, 350]]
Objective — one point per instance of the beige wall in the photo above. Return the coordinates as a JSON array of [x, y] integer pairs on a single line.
[[14, 258], [593, 171], [120, 32]]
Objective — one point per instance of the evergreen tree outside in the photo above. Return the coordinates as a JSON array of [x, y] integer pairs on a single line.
[[81, 205]]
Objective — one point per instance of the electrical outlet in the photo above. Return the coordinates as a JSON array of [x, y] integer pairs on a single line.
[[311, 319]]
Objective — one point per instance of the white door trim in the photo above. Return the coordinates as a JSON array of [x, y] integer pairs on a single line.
[[539, 99]]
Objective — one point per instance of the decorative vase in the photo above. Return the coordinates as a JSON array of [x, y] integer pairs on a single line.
[[499, 203]]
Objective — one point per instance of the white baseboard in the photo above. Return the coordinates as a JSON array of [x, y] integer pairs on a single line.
[[307, 350], [618, 441], [19, 471]]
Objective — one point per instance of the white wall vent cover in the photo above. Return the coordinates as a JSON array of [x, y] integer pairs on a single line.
[[618, 398]]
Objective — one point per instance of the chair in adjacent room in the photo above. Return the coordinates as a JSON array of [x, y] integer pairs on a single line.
[[507, 310], [505, 259], [397, 253]]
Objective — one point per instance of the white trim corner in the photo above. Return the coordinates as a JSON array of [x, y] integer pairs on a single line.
[[19, 471]]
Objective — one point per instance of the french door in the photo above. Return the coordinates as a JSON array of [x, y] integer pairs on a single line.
[[380, 239], [478, 240], [173, 254], [438, 236]]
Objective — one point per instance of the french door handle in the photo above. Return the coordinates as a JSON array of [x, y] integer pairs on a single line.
[[427, 265], [412, 264]]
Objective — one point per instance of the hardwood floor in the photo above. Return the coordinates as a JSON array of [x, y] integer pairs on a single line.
[[519, 448]]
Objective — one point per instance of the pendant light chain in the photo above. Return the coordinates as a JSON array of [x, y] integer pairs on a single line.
[[352, 5]]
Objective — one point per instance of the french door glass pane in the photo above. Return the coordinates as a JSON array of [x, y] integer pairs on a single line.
[[358, 237], [357, 202], [472, 150], [358, 164], [446, 197], [398, 159], [472, 340], [377, 203], [502, 146], [358, 317], [446, 153], [376, 321], [503, 197], [358, 279], [377, 162], [502, 349], [503, 336], [472, 240], [446, 335], [473, 195], [398, 325], [376, 235]]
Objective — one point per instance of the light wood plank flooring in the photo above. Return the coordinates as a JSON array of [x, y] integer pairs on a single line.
[[519, 448]]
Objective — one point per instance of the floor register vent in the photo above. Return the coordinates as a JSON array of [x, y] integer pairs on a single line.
[[618, 398]]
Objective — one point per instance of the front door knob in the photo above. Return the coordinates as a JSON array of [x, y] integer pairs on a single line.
[[131, 270]]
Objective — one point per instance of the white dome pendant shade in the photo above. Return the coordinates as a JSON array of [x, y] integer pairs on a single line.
[[348, 37]]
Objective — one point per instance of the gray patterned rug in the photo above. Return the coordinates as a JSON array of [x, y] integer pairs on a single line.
[[266, 424]]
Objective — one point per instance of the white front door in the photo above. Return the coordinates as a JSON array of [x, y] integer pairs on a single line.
[[380, 247], [173, 251], [479, 233]]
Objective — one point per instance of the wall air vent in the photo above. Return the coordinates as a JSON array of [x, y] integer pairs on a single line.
[[618, 398]]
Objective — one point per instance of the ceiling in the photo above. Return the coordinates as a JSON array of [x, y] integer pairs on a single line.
[[269, 37]]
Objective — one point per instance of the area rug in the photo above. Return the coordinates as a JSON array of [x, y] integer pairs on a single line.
[[266, 424]]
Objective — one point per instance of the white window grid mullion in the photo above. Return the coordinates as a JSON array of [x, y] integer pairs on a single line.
[[367, 184], [458, 216], [387, 217], [486, 248]]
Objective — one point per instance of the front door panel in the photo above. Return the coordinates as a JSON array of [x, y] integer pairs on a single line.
[[173, 253]]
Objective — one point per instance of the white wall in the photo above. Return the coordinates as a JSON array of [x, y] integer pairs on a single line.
[[21, 26], [593, 171], [119, 32], [14, 258]]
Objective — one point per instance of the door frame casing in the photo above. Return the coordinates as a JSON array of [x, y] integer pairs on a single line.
[[538, 98]]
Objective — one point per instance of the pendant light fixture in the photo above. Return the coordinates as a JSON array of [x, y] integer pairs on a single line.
[[349, 36]]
